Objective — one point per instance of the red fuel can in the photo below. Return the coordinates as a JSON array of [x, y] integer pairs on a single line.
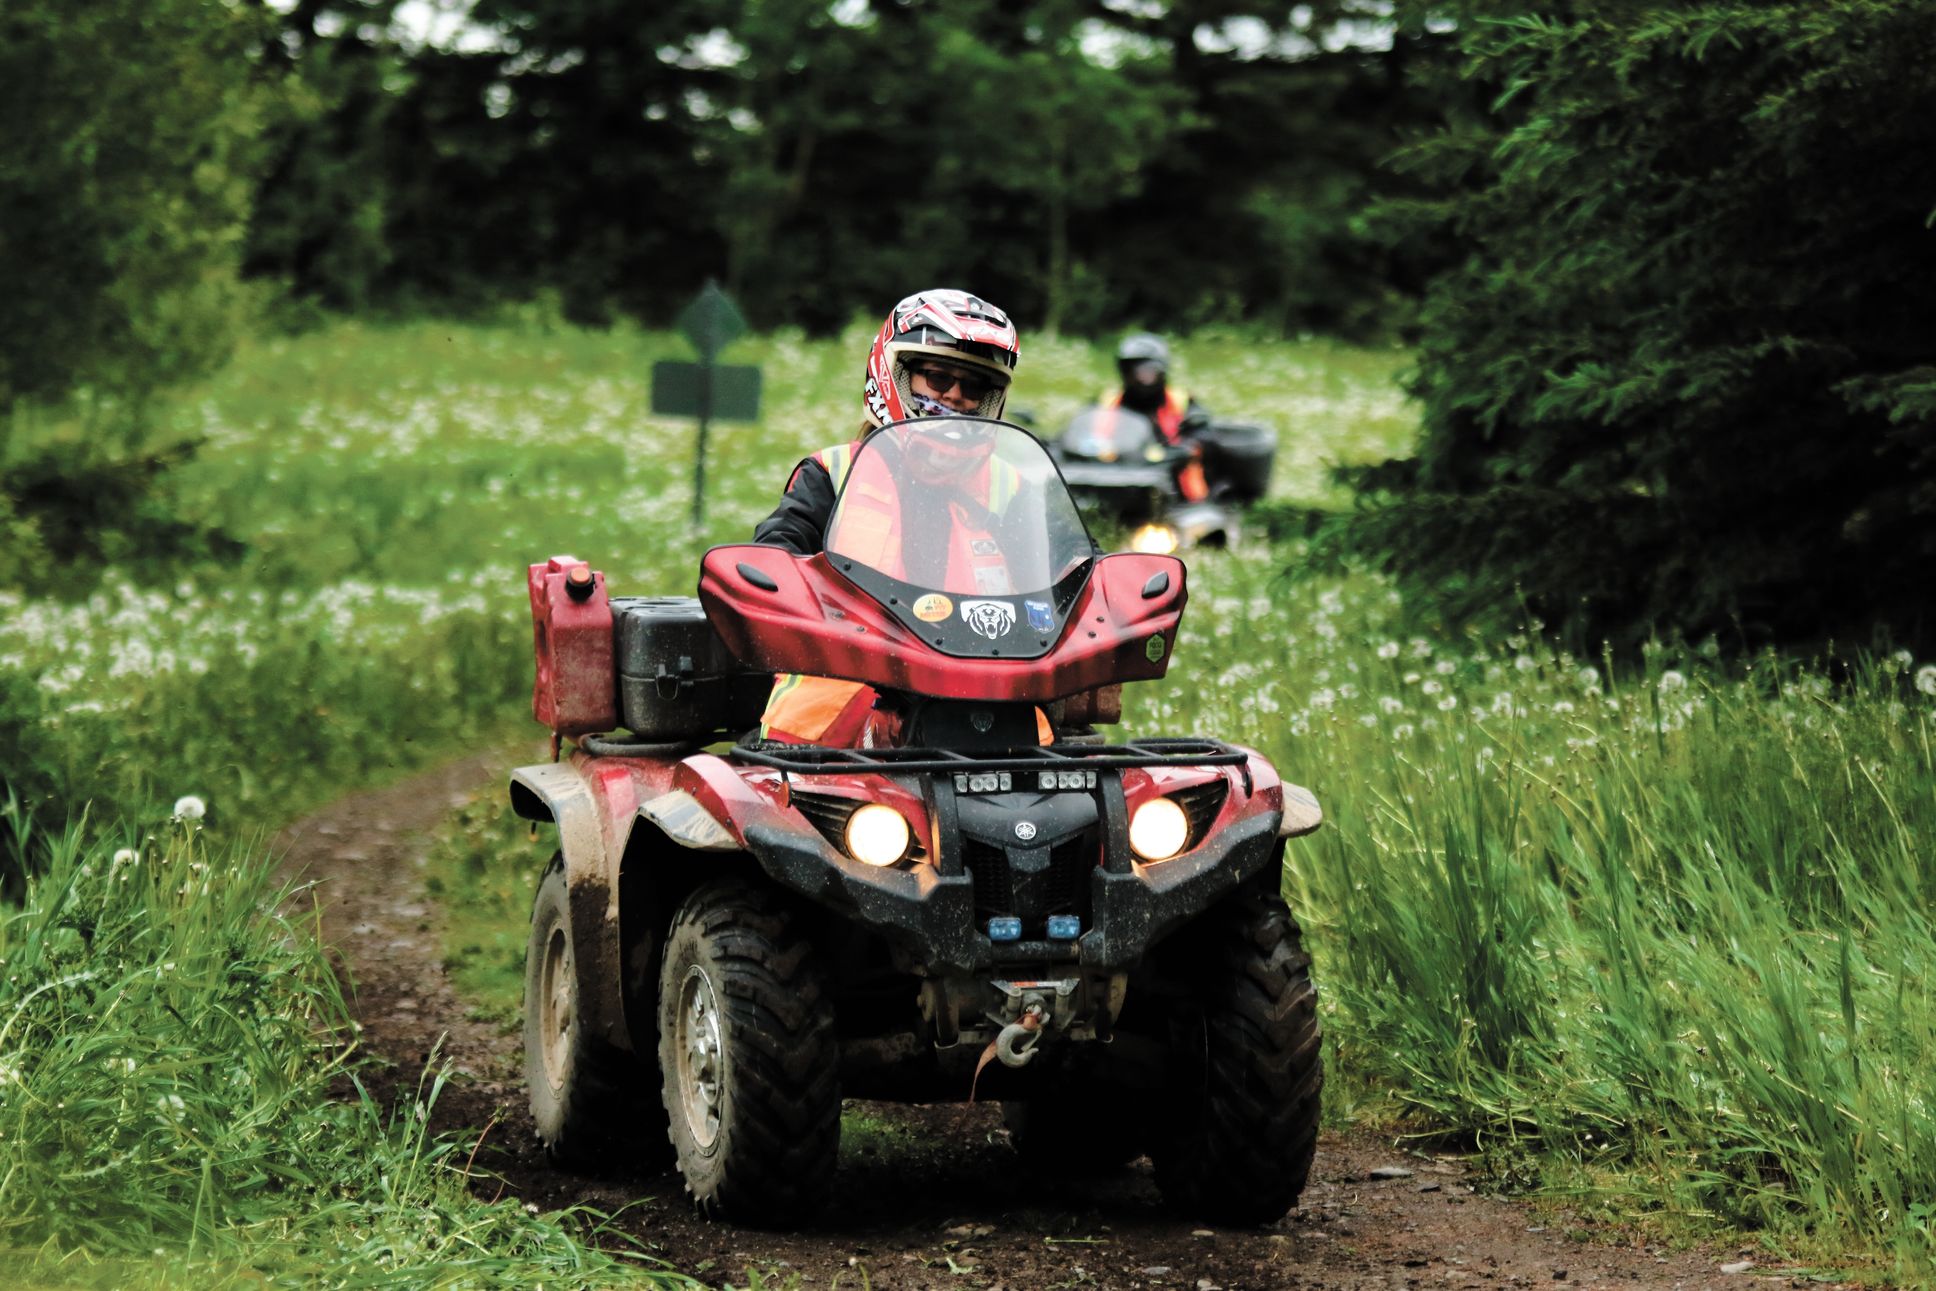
[[576, 690]]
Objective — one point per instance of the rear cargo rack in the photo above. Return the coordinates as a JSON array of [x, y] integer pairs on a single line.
[[814, 759]]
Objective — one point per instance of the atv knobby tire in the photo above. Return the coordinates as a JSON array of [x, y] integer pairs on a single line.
[[592, 1102], [750, 1061], [1245, 1069]]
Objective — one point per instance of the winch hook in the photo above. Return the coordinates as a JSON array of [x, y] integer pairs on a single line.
[[1015, 1046]]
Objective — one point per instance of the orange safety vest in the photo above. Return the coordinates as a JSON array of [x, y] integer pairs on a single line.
[[1169, 424], [827, 710]]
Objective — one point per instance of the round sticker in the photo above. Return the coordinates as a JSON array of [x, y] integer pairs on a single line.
[[933, 608], [1153, 648]]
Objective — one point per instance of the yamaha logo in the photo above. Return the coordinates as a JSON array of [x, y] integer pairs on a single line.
[[1025, 830]]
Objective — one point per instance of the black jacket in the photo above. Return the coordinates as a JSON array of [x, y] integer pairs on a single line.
[[799, 523]]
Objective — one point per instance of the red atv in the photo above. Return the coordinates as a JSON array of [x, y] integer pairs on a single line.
[[984, 899]]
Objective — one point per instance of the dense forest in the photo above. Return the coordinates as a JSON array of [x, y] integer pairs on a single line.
[[1661, 263], [1083, 163]]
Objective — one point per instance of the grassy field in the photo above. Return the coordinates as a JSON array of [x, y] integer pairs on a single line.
[[1655, 936]]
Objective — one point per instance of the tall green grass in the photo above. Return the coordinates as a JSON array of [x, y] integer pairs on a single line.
[[1658, 933], [1665, 932], [169, 1045]]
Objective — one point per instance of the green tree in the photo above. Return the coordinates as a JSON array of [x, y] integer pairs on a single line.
[[319, 227], [125, 180], [1682, 379], [124, 188]]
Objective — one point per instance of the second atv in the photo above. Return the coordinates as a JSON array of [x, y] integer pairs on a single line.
[[1114, 460]]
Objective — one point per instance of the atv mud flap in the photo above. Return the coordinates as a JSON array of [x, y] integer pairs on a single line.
[[932, 915]]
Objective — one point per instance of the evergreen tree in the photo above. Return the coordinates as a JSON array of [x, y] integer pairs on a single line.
[[126, 172], [1682, 379]]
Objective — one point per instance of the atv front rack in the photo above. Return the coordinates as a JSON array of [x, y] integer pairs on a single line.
[[815, 759]]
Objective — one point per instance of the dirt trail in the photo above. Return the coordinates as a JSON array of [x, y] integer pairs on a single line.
[[925, 1197]]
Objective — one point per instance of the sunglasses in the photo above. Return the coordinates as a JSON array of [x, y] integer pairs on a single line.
[[941, 380]]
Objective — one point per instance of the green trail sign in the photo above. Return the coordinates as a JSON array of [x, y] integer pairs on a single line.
[[727, 391], [711, 322], [705, 390]]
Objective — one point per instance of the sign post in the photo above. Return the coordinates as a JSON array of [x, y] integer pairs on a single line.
[[705, 390]]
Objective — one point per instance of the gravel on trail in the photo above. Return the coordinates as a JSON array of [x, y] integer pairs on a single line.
[[928, 1196]]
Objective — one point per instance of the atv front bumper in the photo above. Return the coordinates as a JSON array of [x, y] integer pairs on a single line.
[[931, 909]]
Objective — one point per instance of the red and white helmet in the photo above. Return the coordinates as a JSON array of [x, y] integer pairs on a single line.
[[954, 326]]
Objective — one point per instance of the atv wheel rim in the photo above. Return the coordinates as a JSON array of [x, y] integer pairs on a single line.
[[558, 1017], [700, 1054]]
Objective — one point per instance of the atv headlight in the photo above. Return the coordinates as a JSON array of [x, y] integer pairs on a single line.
[[877, 835], [1153, 539], [1158, 830]]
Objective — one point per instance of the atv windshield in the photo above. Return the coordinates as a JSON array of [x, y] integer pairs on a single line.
[[1106, 434], [964, 530]]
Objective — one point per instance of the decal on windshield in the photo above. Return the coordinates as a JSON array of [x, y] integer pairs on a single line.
[[1040, 617], [991, 619], [933, 608]]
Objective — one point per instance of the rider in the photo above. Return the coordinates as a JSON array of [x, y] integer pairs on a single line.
[[1143, 359], [940, 353]]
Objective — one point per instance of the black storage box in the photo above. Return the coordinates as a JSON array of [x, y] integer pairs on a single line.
[[676, 679], [1237, 459]]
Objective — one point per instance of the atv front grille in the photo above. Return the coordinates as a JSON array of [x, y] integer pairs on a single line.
[[1069, 864], [829, 814], [987, 866], [1064, 888], [1201, 803]]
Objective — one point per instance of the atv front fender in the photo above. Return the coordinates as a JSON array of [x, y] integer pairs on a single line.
[[556, 792]]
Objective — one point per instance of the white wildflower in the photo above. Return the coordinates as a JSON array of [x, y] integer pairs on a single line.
[[1926, 679], [1671, 681], [1389, 650], [189, 807]]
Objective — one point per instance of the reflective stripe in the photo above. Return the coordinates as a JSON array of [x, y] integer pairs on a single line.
[[805, 709], [783, 685], [836, 461], [1004, 482]]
